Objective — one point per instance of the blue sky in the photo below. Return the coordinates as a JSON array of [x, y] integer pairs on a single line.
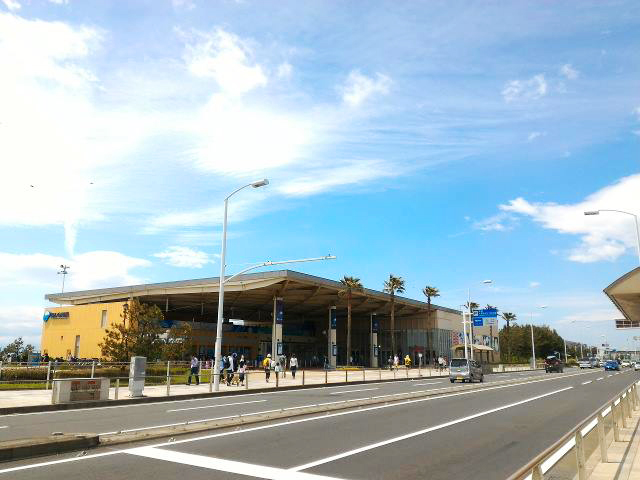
[[446, 142]]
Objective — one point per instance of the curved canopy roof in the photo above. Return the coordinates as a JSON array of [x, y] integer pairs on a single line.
[[625, 294]]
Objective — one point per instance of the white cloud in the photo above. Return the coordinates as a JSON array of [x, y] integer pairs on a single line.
[[87, 270], [224, 57], [533, 135], [284, 70], [569, 72], [523, 90], [47, 93], [12, 5], [534, 284], [636, 112], [186, 257], [501, 222], [20, 321], [359, 87], [186, 4], [604, 237]]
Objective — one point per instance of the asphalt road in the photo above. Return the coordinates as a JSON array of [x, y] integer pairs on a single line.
[[484, 434], [143, 416]]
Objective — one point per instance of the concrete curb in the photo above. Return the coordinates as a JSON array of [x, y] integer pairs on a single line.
[[248, 419], [33, 447]]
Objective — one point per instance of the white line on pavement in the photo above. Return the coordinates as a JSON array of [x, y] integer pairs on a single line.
[[428, 383], [222, 465], [421, 432], [599, 378], [55, 462], [585, 383], [352, 391], [215, 406], [5, 426]]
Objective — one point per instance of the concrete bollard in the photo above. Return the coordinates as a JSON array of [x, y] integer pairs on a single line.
[[168, 377], [580, 462], [117, 388], [602, 439], [48, 374], [614, 420]]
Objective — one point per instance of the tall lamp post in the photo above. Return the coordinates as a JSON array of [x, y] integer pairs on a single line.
[[635, 217], [218, 347], [64, 273], [533, 346]]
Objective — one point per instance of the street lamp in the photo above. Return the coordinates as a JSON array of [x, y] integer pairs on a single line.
[[64, 273], [218, 347], [485, 282], [533, 347], [635, 217]]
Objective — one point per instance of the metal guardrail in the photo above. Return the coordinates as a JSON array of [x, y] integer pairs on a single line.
[[617, 410]]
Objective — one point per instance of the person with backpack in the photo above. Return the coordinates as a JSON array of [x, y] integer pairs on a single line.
[[266, 364]]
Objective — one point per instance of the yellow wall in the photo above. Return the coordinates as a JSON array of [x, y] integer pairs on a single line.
[[59, 334]]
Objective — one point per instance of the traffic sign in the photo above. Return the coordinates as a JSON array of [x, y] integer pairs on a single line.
[[478, 321], [485, 313]]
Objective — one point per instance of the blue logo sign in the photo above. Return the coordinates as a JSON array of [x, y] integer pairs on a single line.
[[46, 316], [485, 313]]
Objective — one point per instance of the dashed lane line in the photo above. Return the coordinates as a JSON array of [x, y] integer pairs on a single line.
[[215, 406]]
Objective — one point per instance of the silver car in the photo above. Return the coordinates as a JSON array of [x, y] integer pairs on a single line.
[[465, 370]]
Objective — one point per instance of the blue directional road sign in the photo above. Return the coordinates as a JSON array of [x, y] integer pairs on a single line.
[[485, 313], [477, 321]]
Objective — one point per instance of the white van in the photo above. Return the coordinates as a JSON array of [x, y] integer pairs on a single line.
[[465, 370]]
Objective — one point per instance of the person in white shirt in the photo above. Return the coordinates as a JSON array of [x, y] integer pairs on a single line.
[[293, 365], [194, 370]]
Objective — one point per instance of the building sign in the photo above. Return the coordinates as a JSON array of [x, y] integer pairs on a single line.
[[279, 310], [47, 315], [84, 389], [485, 313], [375, 325], [334, 318]]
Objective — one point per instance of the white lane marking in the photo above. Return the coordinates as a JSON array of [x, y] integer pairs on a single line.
[[599, 378], [56, 462], [610, 375], [421, 432], [352, 391], [5, 426], [222, 465], [586, 383], [215, 406], [428, 383]]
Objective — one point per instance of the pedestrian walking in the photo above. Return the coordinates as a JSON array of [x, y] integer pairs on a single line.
[[242, 365], [396, 361], [194, 371], [407, 361], [283, 365], [390, 363], [229, 368], [266, 364], [293, 365]]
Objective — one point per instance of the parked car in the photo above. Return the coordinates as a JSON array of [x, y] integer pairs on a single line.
[[585, 363], [553, 364], [465, 370], [611, 365], [636, 366], [595, 362], [626, 363]]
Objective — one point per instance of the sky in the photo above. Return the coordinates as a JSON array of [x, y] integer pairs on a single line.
[[446, 142]]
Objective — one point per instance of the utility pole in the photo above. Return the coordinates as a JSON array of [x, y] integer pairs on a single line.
[[64, 273]]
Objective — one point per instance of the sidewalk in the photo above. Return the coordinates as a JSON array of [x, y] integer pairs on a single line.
[[256, 381]]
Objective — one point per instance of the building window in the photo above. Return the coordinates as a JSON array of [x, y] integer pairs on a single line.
[[103, 319], [76, 351], [61, 337]]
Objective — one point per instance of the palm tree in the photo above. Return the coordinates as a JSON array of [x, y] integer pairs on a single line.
[[391, 286], [430, 292], [510, 319], [350, 285]]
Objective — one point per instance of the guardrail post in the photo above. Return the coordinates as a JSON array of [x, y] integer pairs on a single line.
[[602, 439], [0, 370], [246, 379], [380, 374], [614, 420], [627, 405], [93, 368], [634, 391], [364, 375], [325, 376], [623, 413], [168, 377], [394, 373], [117, 388], [580, 463], [303, 376], [211, 377], [536, 473], [419, 372], [277, 378], [48, 374], [346, 376], [407, 369]]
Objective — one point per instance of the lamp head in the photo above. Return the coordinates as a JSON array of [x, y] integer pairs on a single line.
[[592, 212], [260, 183]]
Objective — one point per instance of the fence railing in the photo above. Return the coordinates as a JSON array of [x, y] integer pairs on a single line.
[[36, 377], [576, 454]]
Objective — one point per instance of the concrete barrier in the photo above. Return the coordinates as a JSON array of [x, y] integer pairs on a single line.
[[69, 390], [54, 444]]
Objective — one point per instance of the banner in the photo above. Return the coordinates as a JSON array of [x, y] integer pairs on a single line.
[[334, 318], [279, 310]]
